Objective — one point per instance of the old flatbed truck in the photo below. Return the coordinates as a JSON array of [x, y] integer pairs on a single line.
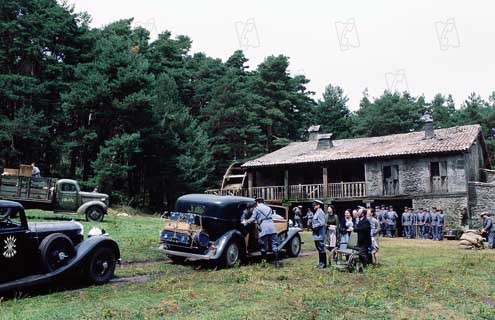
[[62, 195]]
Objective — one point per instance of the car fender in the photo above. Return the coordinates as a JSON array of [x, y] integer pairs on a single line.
[[82, 209], [222, 242], [291, 233], [83, 254]]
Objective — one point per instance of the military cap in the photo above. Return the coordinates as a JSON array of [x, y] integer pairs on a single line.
[[315, 202]]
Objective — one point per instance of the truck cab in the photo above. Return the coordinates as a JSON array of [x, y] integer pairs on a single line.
[[69, 197]]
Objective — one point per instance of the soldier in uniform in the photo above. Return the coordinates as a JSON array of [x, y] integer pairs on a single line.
[[263, 215], [383, 225], [319, 226], [414, 223], [393, 221], [434, 224], [428, 227], [298, 216], [421, 223], [309, 218], [406, 223], [441, 224]]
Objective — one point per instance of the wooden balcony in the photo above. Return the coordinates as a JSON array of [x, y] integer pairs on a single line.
[[340, 190]]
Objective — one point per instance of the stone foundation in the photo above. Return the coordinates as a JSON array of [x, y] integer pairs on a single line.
[[454, 207]]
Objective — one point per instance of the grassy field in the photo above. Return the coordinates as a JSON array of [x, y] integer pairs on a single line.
[[417, 279]]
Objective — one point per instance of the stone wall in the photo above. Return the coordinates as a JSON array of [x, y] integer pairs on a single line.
[[454, 207], [414, 174], [481, 198]]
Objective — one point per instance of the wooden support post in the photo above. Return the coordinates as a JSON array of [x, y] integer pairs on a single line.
[[325, 182], [250, 184], [286, 184]]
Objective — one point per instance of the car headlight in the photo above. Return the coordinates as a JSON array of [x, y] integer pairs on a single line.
[[103, 199], [201, 238]]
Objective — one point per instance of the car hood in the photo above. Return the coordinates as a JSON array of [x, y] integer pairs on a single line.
[[52, 227], [93, 195]]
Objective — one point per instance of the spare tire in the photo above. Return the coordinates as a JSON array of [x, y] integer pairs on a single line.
[[56, 251]]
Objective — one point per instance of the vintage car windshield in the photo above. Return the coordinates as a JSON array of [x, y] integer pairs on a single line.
[[184, 217]]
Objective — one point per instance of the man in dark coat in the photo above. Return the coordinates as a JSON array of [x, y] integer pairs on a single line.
[[363, 229]]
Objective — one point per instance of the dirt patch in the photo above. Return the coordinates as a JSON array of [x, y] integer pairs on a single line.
[[489, 301]]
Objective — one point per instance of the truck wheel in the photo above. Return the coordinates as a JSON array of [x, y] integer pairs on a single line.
[[294, 246], [231, 256], [101, 266], [95, 214], [56, 251]]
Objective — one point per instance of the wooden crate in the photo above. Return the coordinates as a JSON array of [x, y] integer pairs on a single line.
[[25, 170], [10, 172]]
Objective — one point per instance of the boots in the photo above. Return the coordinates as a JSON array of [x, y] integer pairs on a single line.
[[322, 261], [277, 261]]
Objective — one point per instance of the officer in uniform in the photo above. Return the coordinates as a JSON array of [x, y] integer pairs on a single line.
[[421, 223], [406, 223], [434, 223], [263, 215], [318, 227]]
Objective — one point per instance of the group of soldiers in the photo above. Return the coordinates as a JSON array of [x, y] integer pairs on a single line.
[[416, 224]]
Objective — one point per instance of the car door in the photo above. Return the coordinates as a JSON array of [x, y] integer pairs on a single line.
[[14, 246], [67, 194]]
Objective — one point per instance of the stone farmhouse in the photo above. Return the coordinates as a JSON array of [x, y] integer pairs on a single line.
[[445, 168]]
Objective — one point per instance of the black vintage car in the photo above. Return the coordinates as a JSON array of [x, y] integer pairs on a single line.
[[45, 252], [208, 227]]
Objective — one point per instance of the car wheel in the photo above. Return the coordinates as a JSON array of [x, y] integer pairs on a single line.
[[294, 246], [176, 259], [56, 251], [101, 266], [95, 214], [231, 256]]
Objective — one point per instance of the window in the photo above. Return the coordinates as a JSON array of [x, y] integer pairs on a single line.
[[9, 218], [391, 180], [438, 176], [68, 187]]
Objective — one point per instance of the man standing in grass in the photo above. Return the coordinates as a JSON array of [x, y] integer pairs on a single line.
[[363, 229], [489, 229], [434, 223], [441, 223], [421, 223], [319, 226], [406, 223]]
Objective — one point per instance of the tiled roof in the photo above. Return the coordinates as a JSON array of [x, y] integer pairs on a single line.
[[448, 140]]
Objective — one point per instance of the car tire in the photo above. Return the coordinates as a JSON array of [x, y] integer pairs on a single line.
[[231, 256], [294, 246], [95, 214], [101, 266], [56, 251]]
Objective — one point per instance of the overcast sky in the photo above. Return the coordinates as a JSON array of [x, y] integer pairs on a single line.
[[424, 46]]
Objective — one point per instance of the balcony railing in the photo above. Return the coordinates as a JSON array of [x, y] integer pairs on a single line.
[[340, 190]]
